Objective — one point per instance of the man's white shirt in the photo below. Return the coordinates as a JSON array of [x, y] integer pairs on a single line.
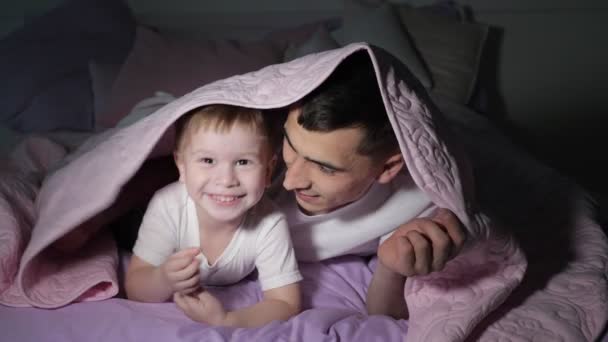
[[357, 228]]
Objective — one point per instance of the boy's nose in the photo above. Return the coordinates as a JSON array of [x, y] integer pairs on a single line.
[[226, 176]]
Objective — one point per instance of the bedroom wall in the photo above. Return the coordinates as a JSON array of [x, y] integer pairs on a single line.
[[551, 74]]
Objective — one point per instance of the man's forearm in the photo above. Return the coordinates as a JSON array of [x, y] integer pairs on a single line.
[[385, 294]]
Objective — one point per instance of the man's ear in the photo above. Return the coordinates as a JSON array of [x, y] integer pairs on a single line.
[[391, 167], [272, 163], [179, 162]]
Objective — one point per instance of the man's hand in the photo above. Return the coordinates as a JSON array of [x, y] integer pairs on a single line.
[[181, 271], [201, 307], [423, 245]]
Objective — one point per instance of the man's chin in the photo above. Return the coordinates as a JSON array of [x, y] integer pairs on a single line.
[[312, 209], [308, 208]]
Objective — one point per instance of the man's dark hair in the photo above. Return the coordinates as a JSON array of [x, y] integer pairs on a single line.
[[350, 98]]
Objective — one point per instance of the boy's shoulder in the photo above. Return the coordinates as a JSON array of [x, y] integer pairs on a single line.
[[173, 193], [176, 187], [265, 213]]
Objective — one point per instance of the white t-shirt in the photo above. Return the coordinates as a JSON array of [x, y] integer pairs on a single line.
[[357, 228], [262, 241]]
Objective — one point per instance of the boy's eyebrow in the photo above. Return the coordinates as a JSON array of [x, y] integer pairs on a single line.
[[318, 162], [204, 151]]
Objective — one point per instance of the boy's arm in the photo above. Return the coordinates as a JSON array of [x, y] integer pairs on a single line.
[[278, 304], [145, 282], [148, 283]]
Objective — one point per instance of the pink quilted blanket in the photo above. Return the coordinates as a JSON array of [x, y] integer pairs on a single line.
[[535, 266]]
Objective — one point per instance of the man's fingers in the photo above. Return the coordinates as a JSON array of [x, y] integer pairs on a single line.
[[450, 222], [406, 257], [441, 245], [422, 251]]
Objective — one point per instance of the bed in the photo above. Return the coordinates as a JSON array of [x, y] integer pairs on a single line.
[[98, 70]]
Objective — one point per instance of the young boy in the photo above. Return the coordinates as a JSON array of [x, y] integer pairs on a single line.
[[214, 226]]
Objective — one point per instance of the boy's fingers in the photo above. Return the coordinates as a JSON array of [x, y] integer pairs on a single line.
[[190, 283], [187, 252], [177, 265], [180, 263], [179, 301], [187, 271], [189, 291]]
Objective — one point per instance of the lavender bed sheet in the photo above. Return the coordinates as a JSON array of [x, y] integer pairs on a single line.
[[333, 302]]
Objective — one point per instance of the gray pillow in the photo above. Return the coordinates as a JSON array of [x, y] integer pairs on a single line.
[[319, 41], [451, 49], [46, 63], [380, 26]]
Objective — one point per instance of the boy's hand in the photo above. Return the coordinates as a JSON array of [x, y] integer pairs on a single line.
[[423, 245], [202, 307], [181, 271]]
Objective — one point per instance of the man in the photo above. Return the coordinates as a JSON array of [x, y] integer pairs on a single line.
[[347, 189]]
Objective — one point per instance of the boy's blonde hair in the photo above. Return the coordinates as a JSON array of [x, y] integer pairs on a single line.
[[221, 118]]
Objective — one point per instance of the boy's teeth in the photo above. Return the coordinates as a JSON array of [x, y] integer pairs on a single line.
[[224, 198]]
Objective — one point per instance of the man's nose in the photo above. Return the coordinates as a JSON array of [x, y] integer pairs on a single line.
[[296, 176]]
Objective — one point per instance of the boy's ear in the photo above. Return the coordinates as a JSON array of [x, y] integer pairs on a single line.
[[272, 163], [391, 167], [179, 162]]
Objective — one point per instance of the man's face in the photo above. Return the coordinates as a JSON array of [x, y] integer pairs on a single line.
[[323, 168]]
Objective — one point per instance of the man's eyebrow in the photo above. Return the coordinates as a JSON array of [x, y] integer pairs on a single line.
[[288, 140], [318, 162]]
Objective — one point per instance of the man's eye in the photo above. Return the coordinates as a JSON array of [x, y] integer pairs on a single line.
[[243, 162], [327, 170]]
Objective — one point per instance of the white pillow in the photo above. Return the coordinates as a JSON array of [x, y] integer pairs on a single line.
[[381, 26]]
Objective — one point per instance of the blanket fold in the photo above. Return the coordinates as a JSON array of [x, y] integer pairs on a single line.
[[463, 301]]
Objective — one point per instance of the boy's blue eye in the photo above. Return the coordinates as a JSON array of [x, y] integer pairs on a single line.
[[243, 162], [206, 160]]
